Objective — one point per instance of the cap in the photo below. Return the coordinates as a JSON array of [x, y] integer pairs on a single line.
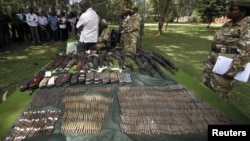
[[134, 7], [244, 3]]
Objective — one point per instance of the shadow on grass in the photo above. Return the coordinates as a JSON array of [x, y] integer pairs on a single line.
[[189, 43], [12, 107], [187, 46], [24, 60]]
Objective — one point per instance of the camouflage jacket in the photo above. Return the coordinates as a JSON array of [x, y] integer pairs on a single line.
[[236, 36], [135, 22], [125, 24], [105, 35]]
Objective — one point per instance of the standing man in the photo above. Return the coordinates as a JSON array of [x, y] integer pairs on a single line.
[[88, 27], [32, 20], [232, 41], [43, 23], [4, 30], [53, 22], [24, 27], [134, 28], [63, 29], [125, 38]]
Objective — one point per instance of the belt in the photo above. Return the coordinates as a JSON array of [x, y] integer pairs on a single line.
[[133, 30], [225, 50]]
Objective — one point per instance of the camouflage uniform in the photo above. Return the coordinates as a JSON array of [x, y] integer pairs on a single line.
[[124, 42], [105, 36], [133, 31], [233, 41]]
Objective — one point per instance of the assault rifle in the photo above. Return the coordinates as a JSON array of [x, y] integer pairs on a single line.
[[159, 59], [89, 62], [141, 62], [109, 60], [154, 64], [81, 61], [60, 68], [169, 63], [117, 56], [104, 61], [95, 62], [101, 59], [127, 62], [147, 65], [72, 61], [54, 62], [34, 83]]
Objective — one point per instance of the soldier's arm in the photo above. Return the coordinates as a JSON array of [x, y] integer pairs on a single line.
[[243, 57]]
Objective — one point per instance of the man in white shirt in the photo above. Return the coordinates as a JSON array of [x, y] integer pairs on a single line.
[[32, 21], [88, 27]]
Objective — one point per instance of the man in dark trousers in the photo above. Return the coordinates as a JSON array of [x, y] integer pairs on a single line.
[[88, 26], [4, 30]]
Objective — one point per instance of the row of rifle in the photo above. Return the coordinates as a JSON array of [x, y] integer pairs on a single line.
[[147, 62], [104, 60], [86, 62]]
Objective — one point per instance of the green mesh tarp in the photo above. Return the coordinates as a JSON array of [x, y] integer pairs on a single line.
[[111, 128]]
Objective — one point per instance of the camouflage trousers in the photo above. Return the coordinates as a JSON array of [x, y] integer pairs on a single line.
[[130, 48], [131, 45], [220, 85], [98, 46]]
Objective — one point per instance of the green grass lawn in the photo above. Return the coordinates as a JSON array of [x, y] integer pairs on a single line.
[[186, 45], [24, 60], [19, 62]]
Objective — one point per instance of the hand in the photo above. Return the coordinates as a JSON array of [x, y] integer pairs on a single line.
[[80, 29]]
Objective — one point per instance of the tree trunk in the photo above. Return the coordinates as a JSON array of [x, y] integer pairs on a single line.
[[160, 25], [166, 24], [163, 13]]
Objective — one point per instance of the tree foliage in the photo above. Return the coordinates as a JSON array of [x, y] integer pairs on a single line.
[[209, 9], [46, 5], [182, 8], [162, 11], [115, 8]]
